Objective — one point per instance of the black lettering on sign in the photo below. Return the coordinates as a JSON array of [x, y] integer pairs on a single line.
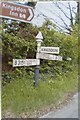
[[15, 62]]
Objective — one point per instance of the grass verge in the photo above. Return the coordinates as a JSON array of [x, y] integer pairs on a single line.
[[21, 99]]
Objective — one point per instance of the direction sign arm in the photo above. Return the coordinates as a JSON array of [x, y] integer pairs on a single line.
[[39, 38]]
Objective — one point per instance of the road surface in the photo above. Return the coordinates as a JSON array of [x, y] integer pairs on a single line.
[[68, 111]]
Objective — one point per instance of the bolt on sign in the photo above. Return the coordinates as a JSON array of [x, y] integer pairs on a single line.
[[16, 11], [25, 62]]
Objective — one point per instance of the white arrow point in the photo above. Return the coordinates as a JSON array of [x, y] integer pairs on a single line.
[[31, 14]]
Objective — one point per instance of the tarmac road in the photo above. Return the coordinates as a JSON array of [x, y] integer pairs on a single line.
[[68, 111]]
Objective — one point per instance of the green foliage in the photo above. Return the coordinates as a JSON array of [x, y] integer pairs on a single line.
[[17, 44], [68, 45], [18, 41], [56, 77], [20, 96]]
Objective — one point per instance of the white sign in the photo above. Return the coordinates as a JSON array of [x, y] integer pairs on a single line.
[[25, 62], [48, 56], [54, 50]]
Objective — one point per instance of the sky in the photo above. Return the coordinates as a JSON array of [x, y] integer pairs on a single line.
[[50, 10], [53, 13]]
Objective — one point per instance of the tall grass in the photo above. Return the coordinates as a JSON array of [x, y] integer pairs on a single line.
[[20, 96]]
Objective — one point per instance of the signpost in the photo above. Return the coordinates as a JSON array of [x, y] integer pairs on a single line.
[[48, 56], [42, 53], [54, 50], [39, 38], [16, 11], [25, 62]]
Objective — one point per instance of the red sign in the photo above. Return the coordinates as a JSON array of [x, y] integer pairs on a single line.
[[16, 11]]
